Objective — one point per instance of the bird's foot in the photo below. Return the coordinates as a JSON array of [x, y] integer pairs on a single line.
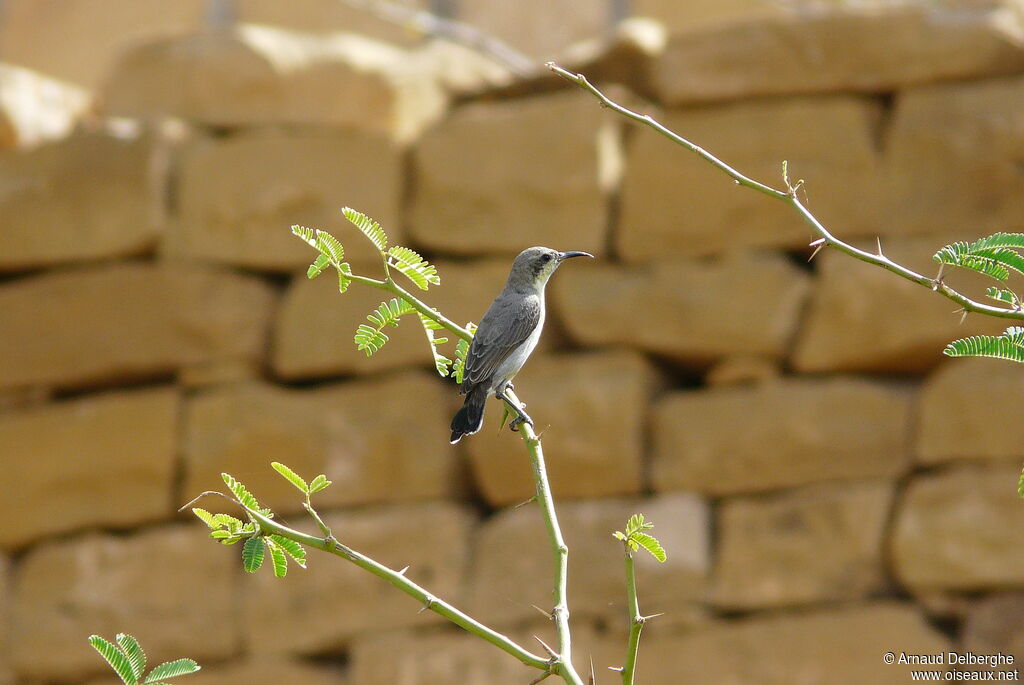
[[523, 417]]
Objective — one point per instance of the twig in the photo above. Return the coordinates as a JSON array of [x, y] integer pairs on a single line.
[[790, 197], [390, 286], [454, 31], [397, 578], [636, 620], [559, 550]]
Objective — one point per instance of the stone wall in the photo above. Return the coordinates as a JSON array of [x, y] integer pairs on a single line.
[[829, 487]]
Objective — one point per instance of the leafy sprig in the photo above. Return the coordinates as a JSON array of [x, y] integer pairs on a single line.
[[996, 257], [370, 338], [230, 530], [636, 537], [1008, 346], [128, 660]]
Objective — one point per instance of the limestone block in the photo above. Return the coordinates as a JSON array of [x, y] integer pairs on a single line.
[[513, 559], [86, 197], [542, 29], [169, 586], [993, 626], [969, 410], [103, 460], [377, 441], [953, 158], [676, 204], [830, 47], [694, 311], [239, 196], [863, 318], [781, 433], [252, 75], [127, 320], [315, 324], [742, 369], [591, 410], [35, 108], [839, 646], [961, 529], [816, 544], [79, 40], [333, 601], [6, 674], [497, 177], [329, 16], [696, 16]]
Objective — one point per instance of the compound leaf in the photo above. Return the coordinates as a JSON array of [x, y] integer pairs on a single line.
[[1008, 346], [290, 476], [370, 228], [651, 544], [252, 554], [172, 669], [415, 268], [133, 650], [117, 659]]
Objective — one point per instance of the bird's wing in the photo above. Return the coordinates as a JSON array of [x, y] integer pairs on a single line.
[[506, 325]]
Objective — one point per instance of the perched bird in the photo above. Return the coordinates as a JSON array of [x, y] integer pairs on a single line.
[[505, 338]]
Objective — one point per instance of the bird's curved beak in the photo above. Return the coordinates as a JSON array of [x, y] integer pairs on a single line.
[[573, 253]]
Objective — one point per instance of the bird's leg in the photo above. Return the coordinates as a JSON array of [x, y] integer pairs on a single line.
[[520, 409]]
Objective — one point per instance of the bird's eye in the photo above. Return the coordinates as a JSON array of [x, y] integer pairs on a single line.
[[545, 258]]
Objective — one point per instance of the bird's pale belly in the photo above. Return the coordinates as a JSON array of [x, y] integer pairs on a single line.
[[507, 370]]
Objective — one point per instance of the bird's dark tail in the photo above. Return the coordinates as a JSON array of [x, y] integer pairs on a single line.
[[470, 418]]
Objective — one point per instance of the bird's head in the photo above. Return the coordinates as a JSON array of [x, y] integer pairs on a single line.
[[534, 265]]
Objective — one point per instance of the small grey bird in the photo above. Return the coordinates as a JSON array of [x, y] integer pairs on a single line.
[[505, 338]]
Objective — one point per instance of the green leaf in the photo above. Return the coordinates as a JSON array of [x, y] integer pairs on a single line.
[[115, 657], [243, 496], [344, 271], [290, 476], [637, 523], [618, 535], [994, 256], [329, 246], [441, 362], [1003, 295], [1009, 346], [370, 228], [319, 483], [1011, 240], [1003, 256], [279, 557], [318, 266], [369, 339], [133, 650], [227, 521], [206, 517], [172, 669], [294, 549], [306, 234], [1020, 485], [388, 313], [252, 554], [414, 267], [651, 544], [461, 350]]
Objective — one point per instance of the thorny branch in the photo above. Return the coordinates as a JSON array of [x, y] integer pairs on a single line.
[[789, 196]]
